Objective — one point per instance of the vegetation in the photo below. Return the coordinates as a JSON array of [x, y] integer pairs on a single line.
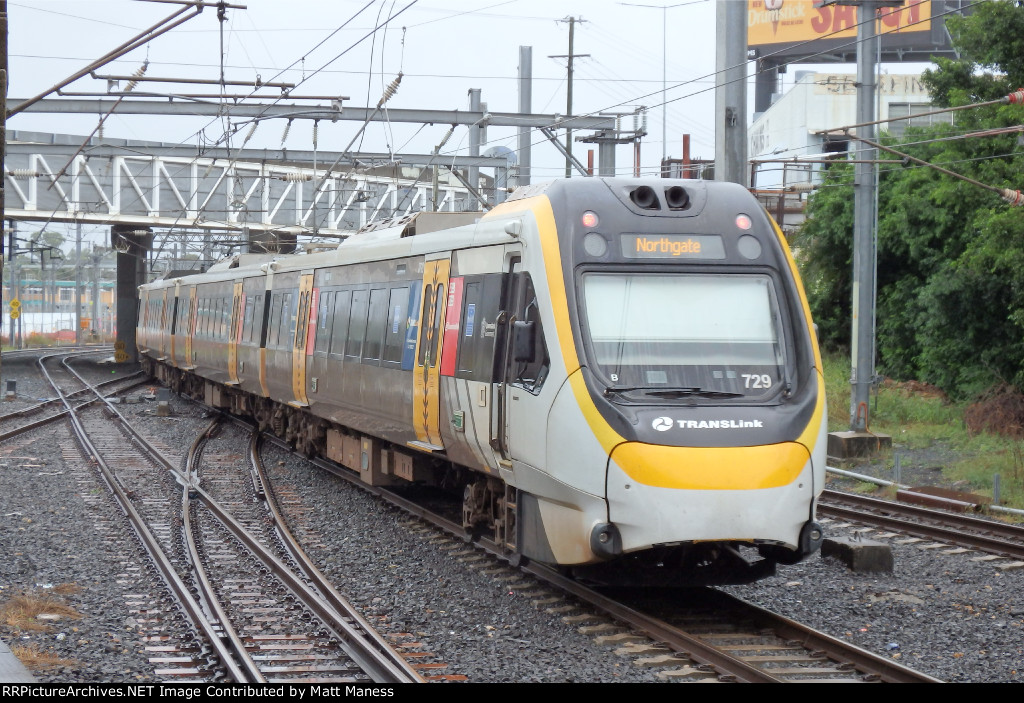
[[918, 416], [950, 254]]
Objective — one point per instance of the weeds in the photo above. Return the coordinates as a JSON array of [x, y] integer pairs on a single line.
[[21, 612], [37, 660], [988, 434]]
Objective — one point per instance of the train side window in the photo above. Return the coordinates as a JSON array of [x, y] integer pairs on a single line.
[[378, 320], [302, 320], [288, 314], [274, 326], [263, 310], [427, 314], [220, 326], [439, 301], [394, 339], [530, 369], [342, 310], [478, 331], [201, 318], [323, 325], [357, 324], [226, 314], [247, 319]]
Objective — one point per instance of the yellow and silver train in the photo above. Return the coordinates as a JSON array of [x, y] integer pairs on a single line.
[[620, 376]]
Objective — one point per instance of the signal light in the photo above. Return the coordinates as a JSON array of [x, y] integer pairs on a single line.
[[590, 219], [743, 222]]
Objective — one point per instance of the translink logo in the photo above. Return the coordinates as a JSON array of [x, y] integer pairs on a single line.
[[663, 424]]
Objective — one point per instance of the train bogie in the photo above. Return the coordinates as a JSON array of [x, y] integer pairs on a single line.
[[609, 371]]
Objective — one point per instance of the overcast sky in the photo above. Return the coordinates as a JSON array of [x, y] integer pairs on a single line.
[[443, 47]]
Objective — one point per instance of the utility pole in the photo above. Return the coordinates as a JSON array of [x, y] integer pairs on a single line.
[[859, 441], [78, 284], [731, 92], [568, 94], [3, 144], [525, 107]]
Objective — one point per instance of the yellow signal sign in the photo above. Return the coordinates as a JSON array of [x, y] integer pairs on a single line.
[[120, 357], [15, 314], [15, 304]]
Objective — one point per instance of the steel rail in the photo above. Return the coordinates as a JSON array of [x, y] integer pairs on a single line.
[[211, 598], [390, 659], [692, 647], [177, 587], [1009, 544], [42, 422]]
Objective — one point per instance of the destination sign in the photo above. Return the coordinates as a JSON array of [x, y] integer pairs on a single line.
[[672, 246]]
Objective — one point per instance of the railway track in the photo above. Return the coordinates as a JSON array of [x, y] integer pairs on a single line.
[[44, 411], [715, 637], [222, 639], [957, 529]]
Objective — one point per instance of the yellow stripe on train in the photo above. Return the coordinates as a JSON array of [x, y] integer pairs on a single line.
[[714, 468]]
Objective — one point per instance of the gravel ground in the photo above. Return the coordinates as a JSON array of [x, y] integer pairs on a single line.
[[948, 615]]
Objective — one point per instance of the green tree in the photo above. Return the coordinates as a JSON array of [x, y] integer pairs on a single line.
[[950, 254]]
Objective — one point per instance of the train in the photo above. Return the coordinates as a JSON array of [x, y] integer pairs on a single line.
[[618, 377]]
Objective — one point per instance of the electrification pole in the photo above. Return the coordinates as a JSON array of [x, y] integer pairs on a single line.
[[568, 94], [731, 92]]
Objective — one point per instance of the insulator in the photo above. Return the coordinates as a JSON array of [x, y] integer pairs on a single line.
[[24, 173], [287, 128], [99, 129], [447, 136], [139, 73], [390, 90], [252, 131], [1013, 197], [806, 187], [316, 130], [1015, 97], [295, 177]]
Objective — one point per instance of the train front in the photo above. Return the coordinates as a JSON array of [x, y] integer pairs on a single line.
[[698, 375]]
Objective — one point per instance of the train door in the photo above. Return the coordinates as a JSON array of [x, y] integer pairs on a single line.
[[173, 323], [426, 371], [526, 370], [234, 333], [307, 304], [190, 329], [502, 350]]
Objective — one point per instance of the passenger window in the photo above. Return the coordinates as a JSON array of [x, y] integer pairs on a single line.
[[439, 301], [323, 327], [378, 320], [342, 309], [395, 334], [429, 301], [357, 325], [530, 371]]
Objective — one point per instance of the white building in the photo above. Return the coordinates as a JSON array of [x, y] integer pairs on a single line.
[[791, 128]]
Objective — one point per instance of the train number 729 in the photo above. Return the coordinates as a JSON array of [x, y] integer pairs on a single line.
[[756, 380]]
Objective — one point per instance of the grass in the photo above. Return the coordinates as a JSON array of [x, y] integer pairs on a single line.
[[21, 612], [36, 659], [918, 416]]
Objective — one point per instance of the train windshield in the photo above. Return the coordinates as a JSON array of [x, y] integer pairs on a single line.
[[684, 336]]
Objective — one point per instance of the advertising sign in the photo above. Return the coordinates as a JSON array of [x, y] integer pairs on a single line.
[[801, 29]]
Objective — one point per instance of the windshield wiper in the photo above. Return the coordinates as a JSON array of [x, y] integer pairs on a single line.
[[667, 392]]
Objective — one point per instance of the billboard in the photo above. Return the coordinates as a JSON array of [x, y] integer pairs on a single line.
[[816, 32]]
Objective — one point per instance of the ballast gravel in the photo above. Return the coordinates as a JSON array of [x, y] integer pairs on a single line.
[[955, 616]]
